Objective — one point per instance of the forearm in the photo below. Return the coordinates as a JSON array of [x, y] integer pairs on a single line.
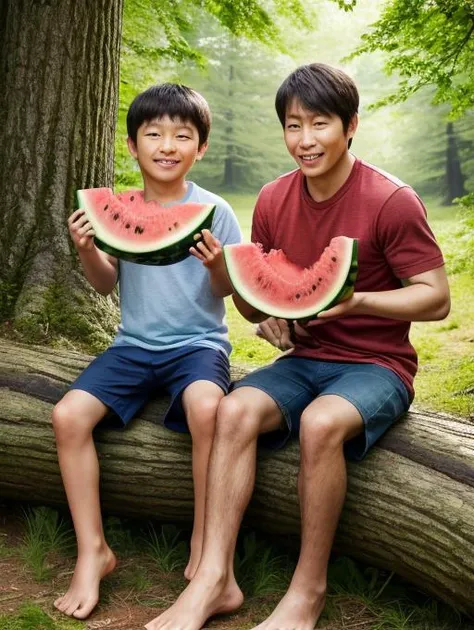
[[249, 312], [416, 302], [99, 270], [219, 279]]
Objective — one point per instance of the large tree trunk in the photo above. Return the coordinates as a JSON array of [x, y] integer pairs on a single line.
[[409, 508], [59, 72], [229, 162]]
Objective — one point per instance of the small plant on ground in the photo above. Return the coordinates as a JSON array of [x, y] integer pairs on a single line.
[[166, 547], [259, 569], [122, 538], [46, 532]]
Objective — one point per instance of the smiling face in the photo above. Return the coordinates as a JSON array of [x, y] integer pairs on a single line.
[[317, 141], [166, 149]]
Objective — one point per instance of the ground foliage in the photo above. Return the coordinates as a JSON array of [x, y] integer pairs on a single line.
[[149, 578]]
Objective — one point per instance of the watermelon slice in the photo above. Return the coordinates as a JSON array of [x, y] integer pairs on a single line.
[[145, 232], [275, 286]]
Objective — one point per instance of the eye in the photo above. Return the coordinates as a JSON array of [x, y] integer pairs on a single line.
[[292, 126], [152, 134], [183, 136]]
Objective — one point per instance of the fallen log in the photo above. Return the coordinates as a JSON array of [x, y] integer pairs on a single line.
[[409, 507]]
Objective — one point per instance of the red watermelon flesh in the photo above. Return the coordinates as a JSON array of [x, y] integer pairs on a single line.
[[276, 286], [129, 227]]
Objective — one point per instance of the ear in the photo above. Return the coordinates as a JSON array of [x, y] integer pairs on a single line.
[[353, 124], [132, 147], [202, 150]]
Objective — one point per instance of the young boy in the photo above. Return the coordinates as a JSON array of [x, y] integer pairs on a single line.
[[350, 373], [172, 333]]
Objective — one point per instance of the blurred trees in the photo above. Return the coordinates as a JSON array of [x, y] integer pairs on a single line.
[[428, 42]]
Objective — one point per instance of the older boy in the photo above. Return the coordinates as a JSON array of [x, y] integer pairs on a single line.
[[172, 333], [350, 374]]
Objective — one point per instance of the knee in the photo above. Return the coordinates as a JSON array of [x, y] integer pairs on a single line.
[[235, 419], [202, 416], [67, 423], [319, 432]]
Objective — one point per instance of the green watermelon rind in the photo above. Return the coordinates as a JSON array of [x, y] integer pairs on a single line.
[[160, 257], [344, 292], [156, 254]]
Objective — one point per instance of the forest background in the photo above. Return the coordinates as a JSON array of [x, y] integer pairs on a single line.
[[413, 61]]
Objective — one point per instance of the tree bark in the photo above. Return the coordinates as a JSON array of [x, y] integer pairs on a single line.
[[229, 166], [59, 74], [409, 507]]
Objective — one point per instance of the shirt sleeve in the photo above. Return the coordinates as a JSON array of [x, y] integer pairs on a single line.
[[260, 228], [405, 237], [225, 226]]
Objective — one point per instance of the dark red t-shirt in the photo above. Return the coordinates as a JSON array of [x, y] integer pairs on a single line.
[[395, 242]]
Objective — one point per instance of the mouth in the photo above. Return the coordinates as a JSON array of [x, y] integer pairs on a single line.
[[310, 157], [166, 162]]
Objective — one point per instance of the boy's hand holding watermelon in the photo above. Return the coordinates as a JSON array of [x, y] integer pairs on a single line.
[[209, 252], [81, 231]]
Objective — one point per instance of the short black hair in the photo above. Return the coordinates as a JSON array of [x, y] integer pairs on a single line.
[[320, 88], [173, 100]]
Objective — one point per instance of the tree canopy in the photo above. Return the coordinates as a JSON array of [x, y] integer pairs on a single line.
[[429, 42]]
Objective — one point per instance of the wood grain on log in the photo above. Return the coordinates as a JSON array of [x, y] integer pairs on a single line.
[[409, 506]]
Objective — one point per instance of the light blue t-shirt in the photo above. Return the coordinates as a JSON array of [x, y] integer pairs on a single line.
[[164, 307]]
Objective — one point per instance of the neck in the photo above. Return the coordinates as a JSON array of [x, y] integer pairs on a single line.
[[164, 192], [324, 187]]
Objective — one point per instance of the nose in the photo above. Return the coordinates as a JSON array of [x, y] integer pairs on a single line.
[[307, 138], [167, 144]]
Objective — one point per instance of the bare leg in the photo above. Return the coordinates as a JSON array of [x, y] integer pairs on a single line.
[[241, 417], [200, 402], [74, 418], [325, 425]]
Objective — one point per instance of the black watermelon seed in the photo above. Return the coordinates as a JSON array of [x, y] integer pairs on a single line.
[[127, 226], [116, 216], [169, 229], [297, 296], [314, 287], [105, 207], [132, 198], [333, 259], [139, 230]]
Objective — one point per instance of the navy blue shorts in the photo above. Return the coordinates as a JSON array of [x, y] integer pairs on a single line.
[[378, 394], [124, 378]]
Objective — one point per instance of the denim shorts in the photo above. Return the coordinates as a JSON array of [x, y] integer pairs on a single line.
[[378, 394], [124, 378]]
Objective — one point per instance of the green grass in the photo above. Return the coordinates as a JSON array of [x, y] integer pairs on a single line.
[[167, 548], [45, 533], [152, 576], [259, 568], [243, 206], [32, 617]]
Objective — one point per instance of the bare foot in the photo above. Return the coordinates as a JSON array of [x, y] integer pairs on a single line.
[[194, 558], [204, 597], [294, 612], [83, 593]]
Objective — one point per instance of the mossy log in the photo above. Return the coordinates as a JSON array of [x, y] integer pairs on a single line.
[[409, 507]]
